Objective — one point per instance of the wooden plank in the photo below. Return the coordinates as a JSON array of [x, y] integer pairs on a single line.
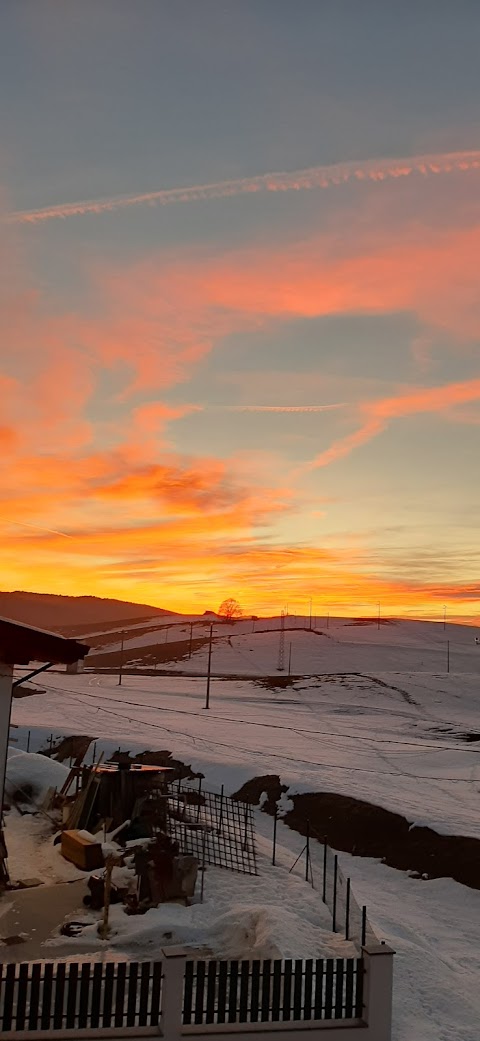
[[265, 1013], [307, 997], [199, 992], [329, 978], [9, 995], [339, 976], [83, 1010], [120, 994], [33, 1015], [72, 984], [211, 991], [188, 993], [297, 990], [318, 996], [287, 990], [144, 993], [232, 992], [276, 990], [97, 986], [255, 991], [108, 995], [132, 994], [59, 996], [349, 983], [22, 997], [359, 989], [155, 1005], [222, 991], [47, 996], [244, 988]]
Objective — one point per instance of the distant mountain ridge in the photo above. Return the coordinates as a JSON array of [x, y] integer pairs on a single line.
[[70, 615]]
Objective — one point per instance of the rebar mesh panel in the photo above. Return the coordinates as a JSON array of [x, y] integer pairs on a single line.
[[214, 827]]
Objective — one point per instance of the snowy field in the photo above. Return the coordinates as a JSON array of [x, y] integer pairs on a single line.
[[385, 722]]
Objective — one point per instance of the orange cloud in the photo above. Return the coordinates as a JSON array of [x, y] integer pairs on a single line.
[[378, 414]]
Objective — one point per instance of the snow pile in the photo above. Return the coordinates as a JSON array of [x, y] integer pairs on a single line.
[[32, 775]]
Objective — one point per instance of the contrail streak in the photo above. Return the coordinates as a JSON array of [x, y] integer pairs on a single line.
[[280, 408], [296, 180], [38, 527]]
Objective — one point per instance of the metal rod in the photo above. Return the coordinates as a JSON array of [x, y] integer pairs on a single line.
[[300, 855], [347, 911], [274, 848], [30, 675], [220, 820], [364, 925], [324, 889], [203, 865], [28, 741], [199, 797], [122, 635], [334, 910], [307, 864]]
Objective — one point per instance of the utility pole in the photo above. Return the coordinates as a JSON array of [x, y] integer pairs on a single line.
[[378, 621], [310, 614], [328, 619], [122, 635], [281, 644], [444, 617], [289, 659], [191, 640], [209, 667]]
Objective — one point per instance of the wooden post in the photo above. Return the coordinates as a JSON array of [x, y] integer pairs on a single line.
[[103, 928], [275, 819]]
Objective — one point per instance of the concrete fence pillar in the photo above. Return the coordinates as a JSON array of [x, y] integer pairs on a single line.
[[174, 961], [378, 990]]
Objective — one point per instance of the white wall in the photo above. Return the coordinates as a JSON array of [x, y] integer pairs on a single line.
[[6, 677]]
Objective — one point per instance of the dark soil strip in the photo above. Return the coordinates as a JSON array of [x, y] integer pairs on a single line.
[[365, 830]]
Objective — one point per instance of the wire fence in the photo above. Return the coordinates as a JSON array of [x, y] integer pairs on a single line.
[[215, 828], [348, 916]]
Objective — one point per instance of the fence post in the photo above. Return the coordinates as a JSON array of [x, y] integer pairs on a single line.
[[28, 741], [275, 819], [377, 990], [245, 827], [220, 821], [324, 890], [364, 925], [307, 849], [174, 961], [334, 909], [347, 911], [199, 797]]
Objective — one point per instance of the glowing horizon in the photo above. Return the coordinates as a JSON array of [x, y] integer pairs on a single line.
[[272, 393]]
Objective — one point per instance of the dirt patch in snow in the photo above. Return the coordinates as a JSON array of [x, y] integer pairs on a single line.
[[365, 830]]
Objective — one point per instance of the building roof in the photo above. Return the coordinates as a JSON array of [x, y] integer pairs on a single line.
[[21, 644]]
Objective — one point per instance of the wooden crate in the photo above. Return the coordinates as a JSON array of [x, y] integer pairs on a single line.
[[84, 852]]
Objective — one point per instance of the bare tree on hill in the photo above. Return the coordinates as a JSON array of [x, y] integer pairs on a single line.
[[230, 610]]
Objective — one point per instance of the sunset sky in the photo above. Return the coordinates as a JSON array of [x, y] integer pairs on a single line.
[[267, 388]]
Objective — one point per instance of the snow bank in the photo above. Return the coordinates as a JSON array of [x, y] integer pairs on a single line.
[[33, 774]]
